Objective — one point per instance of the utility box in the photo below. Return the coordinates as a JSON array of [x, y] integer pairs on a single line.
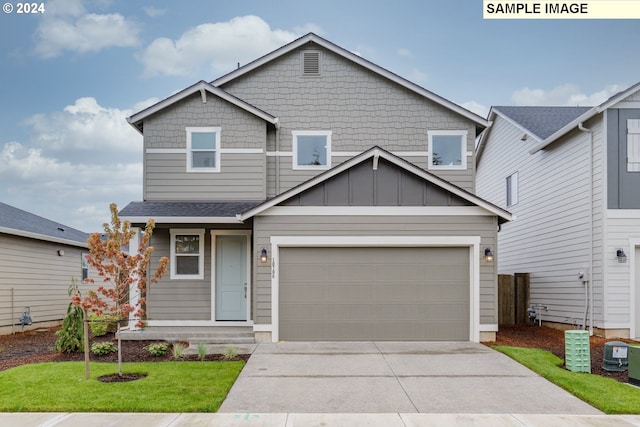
[[577, 354], [634, 365], [615, 356]]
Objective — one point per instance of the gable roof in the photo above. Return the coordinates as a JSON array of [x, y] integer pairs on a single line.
[[136, 120], [311, 37], [586, 116], [536, 122], [375, 153], [17, 222]]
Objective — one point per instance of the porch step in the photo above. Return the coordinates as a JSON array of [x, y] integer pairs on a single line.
[[207, 335]]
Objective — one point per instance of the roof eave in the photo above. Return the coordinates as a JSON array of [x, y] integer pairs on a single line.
[[44, 237], [311, 37], [183, 219]]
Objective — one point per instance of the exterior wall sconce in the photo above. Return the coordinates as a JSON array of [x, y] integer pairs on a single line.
[[622, 257], [488, 255], [263, 256]]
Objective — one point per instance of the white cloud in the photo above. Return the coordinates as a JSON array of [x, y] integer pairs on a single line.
[[476, 107], [154, 12], [218, 46], [563, 95], [68, 26], [79, 160], [405, 52]]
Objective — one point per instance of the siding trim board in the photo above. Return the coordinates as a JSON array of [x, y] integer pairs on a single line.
[[222, 151], [377, 211], [472, 242]]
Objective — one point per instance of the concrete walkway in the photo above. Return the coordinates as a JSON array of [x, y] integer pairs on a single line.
[[388, 377], [309, 420]]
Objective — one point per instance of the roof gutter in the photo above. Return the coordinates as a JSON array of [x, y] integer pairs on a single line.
[[43, 237]]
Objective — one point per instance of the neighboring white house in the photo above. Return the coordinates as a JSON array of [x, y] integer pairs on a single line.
[[571, 177], [38, 258]]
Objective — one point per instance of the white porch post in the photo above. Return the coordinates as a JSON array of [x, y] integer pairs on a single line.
[[134, 292]]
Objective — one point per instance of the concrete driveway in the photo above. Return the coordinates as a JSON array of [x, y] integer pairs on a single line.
[[396, 377]]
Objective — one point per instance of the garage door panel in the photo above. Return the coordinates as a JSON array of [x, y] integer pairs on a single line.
[[374, 294]]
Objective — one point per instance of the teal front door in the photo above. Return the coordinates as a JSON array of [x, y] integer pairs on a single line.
[[231, 277]]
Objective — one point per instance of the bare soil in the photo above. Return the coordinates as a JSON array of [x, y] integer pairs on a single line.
[[38, 346]]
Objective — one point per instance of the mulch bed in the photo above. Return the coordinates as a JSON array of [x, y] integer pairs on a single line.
[[38, 346]]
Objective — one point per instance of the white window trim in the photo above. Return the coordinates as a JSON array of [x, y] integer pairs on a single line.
[[512, 197], [172, 264], [463, 149], [216, 131], [295, 134]]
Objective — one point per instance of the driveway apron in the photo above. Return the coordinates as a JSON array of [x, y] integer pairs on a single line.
[[427, 377]]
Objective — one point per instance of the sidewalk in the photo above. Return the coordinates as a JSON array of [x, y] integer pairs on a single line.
[[32, 419]]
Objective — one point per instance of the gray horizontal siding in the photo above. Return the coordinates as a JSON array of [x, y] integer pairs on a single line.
[[39, 277], [266, 226], [241, 177]]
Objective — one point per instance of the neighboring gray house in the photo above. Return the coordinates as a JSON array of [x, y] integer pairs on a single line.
[[313, 195], [38, 258], [571, 177]]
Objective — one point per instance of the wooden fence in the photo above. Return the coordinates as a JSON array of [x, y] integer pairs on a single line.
[[513, 299]]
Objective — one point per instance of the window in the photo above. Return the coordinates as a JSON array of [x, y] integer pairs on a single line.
[[311, 149], [447, 149], [85, 266], [633, 145], [187, 254], [203, 149], [512, 189]]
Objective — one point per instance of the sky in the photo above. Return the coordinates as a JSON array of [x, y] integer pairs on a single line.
[[71, 75]]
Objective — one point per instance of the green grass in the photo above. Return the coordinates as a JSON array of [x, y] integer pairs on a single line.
[[606, 394], [168, 387]]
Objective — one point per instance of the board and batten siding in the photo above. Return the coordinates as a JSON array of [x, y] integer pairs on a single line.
[[241, 176], [267, 226], [361, 109], [550, 236], [40, 278]]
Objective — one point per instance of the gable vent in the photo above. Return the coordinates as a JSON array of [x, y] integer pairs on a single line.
[[311, 63]]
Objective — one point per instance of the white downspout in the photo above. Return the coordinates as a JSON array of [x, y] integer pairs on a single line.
[[277, 157], [590, 282]]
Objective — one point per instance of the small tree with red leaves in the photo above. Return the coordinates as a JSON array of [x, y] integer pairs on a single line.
[[119, 272]]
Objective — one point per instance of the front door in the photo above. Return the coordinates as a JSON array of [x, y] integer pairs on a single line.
[[231, 277]]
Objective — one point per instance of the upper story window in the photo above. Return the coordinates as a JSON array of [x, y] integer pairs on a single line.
[[85, 265], [633, 145], [311, 149], [447, 149], [203, 149], [512, 189], [187, 254]]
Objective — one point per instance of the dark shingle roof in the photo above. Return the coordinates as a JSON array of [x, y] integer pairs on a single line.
[[23, 221], [542, 121], [187, 209]]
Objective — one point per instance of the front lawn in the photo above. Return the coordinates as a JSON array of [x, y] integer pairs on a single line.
[[168, 387], [608, 395]]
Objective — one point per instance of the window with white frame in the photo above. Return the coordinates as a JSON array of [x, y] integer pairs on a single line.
[[85, 265], [187, 254], [633, 145], [203, 149], [512, 189], [311, 149], [447, 149]]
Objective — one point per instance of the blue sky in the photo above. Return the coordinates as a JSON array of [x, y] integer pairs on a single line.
[[71, 76]]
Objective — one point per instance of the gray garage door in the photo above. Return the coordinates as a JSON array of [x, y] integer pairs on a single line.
[[384, 294]]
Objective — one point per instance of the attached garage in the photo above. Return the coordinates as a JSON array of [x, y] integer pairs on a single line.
[[374, 293]]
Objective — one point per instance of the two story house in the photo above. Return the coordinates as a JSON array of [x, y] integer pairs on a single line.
[[313, 195], [571, 177]]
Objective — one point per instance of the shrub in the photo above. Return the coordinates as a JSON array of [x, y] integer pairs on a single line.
[[103, 348], [158, 349], [100, 324], [202, 351], [178, 350], [230, 353], [70, 336]]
